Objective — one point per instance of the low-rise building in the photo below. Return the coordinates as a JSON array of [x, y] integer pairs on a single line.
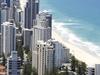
[[2, 70]]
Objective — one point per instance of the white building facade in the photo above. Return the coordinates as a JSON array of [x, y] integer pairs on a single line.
[[41, 31], [97, 69], [8, 42], [61, 54], [45, 56]]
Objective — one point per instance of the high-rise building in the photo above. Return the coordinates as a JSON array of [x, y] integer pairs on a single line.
[[13, 64], [8, 30], [14, 5], [4, 12], [30, 12], [61, 54], [0, 46], [7, 1], [41, 31], [27, 38], [18, 16], [45, 58], [97, 69]]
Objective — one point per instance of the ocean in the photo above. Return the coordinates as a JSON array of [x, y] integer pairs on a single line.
[[79, 19]]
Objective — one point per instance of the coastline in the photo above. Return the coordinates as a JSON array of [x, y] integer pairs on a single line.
[[80, 53]]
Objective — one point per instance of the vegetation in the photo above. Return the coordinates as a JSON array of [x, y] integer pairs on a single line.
[[20, 51], [27, 69], [26, 49], [78, 66], [34, 71]]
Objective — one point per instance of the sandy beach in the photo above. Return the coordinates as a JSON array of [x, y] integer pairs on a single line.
[[80, 53]]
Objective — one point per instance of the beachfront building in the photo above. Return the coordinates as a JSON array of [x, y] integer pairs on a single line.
[[90, 71], [97, 69], [45, 58], [41, 31], [8, 41], [13, 64], [61, 53]]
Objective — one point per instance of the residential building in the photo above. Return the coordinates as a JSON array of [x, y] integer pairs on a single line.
[[13, 64], [61, 54], [29, 17], [97, 69], [30, 12], [8, 41], [41, 31], [90, 71], [4, 12], [45, 58]]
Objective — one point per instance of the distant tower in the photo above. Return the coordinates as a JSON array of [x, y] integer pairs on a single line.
[[8, 30], [8, 2], [30, 12], [13, 64]]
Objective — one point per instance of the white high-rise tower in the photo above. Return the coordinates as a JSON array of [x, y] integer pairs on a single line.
[[41, 31], [8, 31]]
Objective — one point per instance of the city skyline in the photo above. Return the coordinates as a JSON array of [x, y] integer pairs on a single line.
[[35, 41]]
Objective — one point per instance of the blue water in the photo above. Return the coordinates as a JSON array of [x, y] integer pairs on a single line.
[[84, 12]]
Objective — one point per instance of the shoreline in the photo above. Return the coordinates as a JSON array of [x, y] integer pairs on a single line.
[[79, 52]]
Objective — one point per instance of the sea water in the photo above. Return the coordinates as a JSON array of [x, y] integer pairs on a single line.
[[79, 19]]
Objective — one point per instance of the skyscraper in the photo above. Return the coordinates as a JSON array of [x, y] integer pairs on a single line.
[[30, 12], [7, 1], [61, 54], [8, 30], [45, 58], [9, 48], [41, 31]]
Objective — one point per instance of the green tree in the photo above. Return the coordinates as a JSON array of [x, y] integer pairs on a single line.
[[29, 56], [66, 71], [27, 69], [34, 71], [73, 63], [20, 51], [84, 67], [26, 49], [81, 70]]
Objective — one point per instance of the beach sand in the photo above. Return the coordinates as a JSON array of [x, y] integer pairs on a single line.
[[80, 53]]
